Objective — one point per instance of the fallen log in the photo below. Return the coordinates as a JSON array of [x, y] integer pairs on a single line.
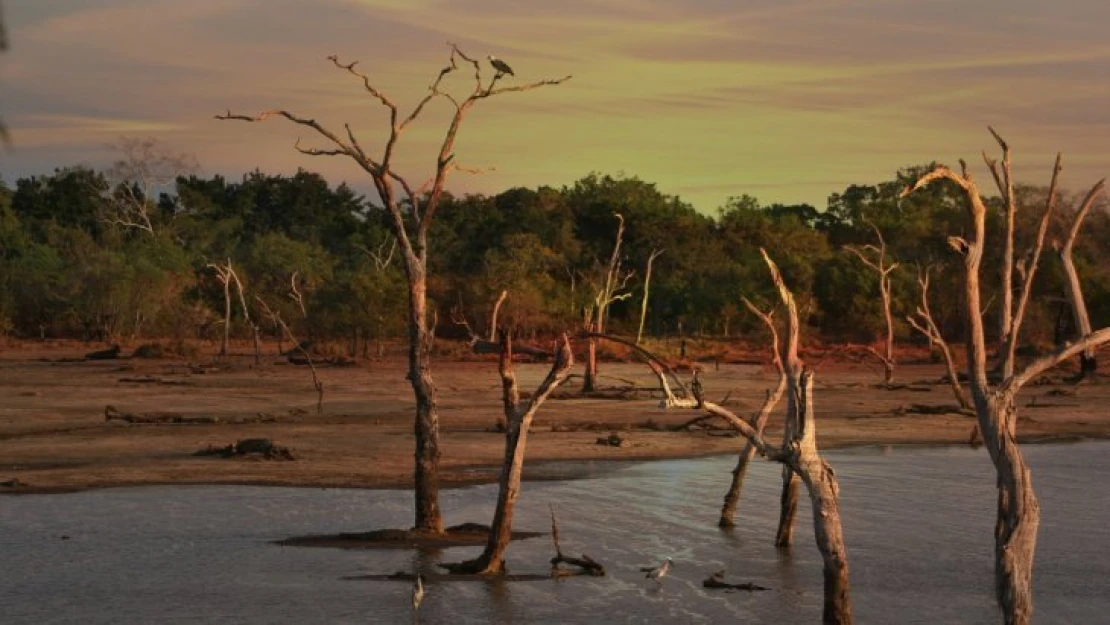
[[717, 580], [586, 565], [263, 448]]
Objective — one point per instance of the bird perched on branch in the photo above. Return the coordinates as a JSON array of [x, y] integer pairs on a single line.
[[501, 66], [417, 592], [695, 388], [659, 572]]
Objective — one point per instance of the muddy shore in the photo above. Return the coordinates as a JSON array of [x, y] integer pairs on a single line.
[[54, 434]]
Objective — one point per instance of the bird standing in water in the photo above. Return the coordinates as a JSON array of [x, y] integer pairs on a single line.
[[659, 572], [417, 592]]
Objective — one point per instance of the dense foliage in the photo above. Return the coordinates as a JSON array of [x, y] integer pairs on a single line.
[[68, 270]]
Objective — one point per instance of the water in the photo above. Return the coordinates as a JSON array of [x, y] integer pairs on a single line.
[[918, 525]]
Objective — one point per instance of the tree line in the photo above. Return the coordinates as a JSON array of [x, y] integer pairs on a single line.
[[81, 257]]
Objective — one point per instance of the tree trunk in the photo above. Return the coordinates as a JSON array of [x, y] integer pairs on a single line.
[[589, 375], [788, 508], [1087, 363], [426, 477], [824, 494], [227, 316], [518, 421], [1019, 513], [732, 498], [888, 361]]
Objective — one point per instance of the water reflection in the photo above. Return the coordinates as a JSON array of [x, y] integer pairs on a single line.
[[918, 524]]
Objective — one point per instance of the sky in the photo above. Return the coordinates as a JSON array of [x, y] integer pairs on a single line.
[[786, 100]]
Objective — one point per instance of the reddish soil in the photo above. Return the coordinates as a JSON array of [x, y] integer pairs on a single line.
[[54, 435]]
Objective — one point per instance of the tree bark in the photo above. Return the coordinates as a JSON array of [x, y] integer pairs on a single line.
[[1088, 365], [518, 421], [426, 426]]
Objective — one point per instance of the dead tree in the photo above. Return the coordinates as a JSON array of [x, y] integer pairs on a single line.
[[246, 314], [798, 451], [996, 404], [647, 289], [876, 259], [224, 273], [493, 317], [922, 321], [1087, 363], [759, 421], [300, 347], [518, 421], [412, 210], [597, 312], [143, 169]]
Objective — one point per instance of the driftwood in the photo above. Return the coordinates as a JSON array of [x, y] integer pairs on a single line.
[[105, 354], [263, 448], [586, 565], [111, 413], [717, 580]]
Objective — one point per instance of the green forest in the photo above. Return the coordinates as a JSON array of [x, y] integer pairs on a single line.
[[87, 255]]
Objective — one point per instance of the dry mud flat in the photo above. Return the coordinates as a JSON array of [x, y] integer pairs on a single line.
[[54, 434]]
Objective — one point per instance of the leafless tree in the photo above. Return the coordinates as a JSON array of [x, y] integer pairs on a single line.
[[224, 273], [647, 290], [317, 383], [144, 169], [874, 256], [412, 210], [798, 451], [922, 321], [1087, 363], [596, 313], [518, 421], [996, 404], [759, 421]]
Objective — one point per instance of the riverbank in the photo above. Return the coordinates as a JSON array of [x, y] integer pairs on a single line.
[[54, 434]]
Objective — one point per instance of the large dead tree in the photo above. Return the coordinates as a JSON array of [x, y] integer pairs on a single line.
[[759, 421], [518, 421], [1087, 363], [798, 451], [874, 256], [411, 209], [996, 404]]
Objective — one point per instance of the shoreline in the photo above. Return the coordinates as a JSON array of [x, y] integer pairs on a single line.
[[454, 482], [55, 435]]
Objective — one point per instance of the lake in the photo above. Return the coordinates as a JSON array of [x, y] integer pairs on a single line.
[[918, 525]]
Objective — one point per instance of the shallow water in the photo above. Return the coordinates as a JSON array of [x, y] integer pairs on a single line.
[[918, 525]]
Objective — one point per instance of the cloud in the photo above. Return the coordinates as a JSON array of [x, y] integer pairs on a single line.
[[707, 98]]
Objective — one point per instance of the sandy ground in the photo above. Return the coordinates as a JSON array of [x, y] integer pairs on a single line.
[[54, 436]]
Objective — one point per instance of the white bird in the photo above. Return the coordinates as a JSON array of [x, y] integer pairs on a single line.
[[501, 66], [417, 592], [659, 572]]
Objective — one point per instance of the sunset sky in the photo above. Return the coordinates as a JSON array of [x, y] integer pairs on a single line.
[[785, 100]]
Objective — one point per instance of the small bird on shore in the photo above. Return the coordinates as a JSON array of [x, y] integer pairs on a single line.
[[501, 66], [417, 592], [659, 572]]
